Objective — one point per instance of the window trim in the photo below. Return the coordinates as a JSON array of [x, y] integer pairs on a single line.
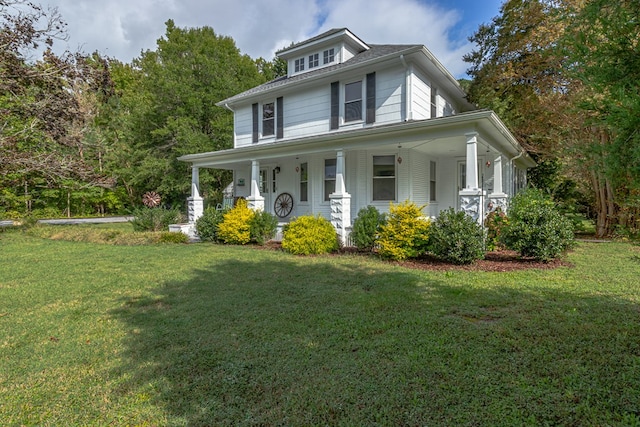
[[314, 60], [328, 56], [394, 177], [272, 119], [359, 100], [301, 181], [326, 195]]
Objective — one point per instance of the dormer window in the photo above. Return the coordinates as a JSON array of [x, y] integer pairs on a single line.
[[328, 56], [299, 65], [313, 61]]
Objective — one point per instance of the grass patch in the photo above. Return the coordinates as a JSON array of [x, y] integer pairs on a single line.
[[112, 234], [206, 334]]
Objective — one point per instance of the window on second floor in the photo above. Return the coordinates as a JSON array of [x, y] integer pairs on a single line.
[[329, 178], [353, 101], [328, 56], [313, 61], [299, 65], [268, 119]]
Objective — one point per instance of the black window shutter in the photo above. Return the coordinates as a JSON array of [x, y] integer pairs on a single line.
[[371, 97], [335, 105], [254, 137], [279, 118]]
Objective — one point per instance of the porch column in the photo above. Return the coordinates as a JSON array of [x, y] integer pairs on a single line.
[[255, 201], [195, 205], [497, 199], [341, 201], [471, 197]]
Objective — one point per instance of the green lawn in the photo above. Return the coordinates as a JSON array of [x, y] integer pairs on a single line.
[[201, 334]]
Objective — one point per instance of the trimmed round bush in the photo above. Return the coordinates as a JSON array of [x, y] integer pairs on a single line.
[[207, 224], [536, 228], [235, 227], [405, 233], [366, 227], [456, 238], [309, 235]]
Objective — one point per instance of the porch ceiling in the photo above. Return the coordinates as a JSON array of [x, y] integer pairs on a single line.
[[441, 137]]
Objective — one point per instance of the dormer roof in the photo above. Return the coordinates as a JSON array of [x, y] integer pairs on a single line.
[[333, 36]]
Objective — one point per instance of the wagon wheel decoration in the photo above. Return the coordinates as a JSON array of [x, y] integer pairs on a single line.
[[283, 205], [151, 199]]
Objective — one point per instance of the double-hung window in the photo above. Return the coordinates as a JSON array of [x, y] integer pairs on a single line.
[[268, 119], [384, 177], [329, 178], [353, 101], [304, 182], [299, 65], [313, 60], [432, 181]]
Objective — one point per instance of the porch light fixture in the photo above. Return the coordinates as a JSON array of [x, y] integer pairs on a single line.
[[277, 169], [399, 160], [488, 163]]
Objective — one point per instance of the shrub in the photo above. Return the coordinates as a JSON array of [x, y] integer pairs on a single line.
[[536, 228], [207, 224], [155, 219], [405, 233], [366, 227], [263, 227], [495, 223], [235, 227], [170, 237], [308, 235], [456, 238]]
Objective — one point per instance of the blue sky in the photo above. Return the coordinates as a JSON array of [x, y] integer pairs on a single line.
[[124, 28]]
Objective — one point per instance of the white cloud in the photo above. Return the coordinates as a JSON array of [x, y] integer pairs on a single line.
[[124, 28]]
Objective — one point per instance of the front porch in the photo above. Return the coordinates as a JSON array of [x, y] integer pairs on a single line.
[[468, 163]]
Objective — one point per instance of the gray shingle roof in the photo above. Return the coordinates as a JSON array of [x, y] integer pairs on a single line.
[[375, 52], [311, 40]]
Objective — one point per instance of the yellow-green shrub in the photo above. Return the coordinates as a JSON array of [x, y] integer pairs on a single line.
[[235, 227], [308, 235], [405, 233]]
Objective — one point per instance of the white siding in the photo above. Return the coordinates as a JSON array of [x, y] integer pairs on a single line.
[[243, 126], [389, 95], [308, 113], [421, 97]]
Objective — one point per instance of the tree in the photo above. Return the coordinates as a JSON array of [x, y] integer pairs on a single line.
[[603, 50], [526, 68], [169, 97], [43, 115]]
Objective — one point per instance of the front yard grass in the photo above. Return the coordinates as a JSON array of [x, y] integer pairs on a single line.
[[96, 334]]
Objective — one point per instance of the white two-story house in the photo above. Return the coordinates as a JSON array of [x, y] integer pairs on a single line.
[[356, 124]]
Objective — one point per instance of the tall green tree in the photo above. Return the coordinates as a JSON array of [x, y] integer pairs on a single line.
[[535, 64], [169, 96], [603, 52]]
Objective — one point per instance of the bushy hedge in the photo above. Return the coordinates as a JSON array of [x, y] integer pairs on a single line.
[[307, 235], [457, 238], [366, 227], [155, 219], [536, 228], [405, 234], [262, 227], [495, 224], [207, 224]]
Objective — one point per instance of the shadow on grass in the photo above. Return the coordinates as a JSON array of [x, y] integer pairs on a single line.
[[290, 343]]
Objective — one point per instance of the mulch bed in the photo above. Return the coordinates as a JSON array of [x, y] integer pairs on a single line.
[[502, 260]]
